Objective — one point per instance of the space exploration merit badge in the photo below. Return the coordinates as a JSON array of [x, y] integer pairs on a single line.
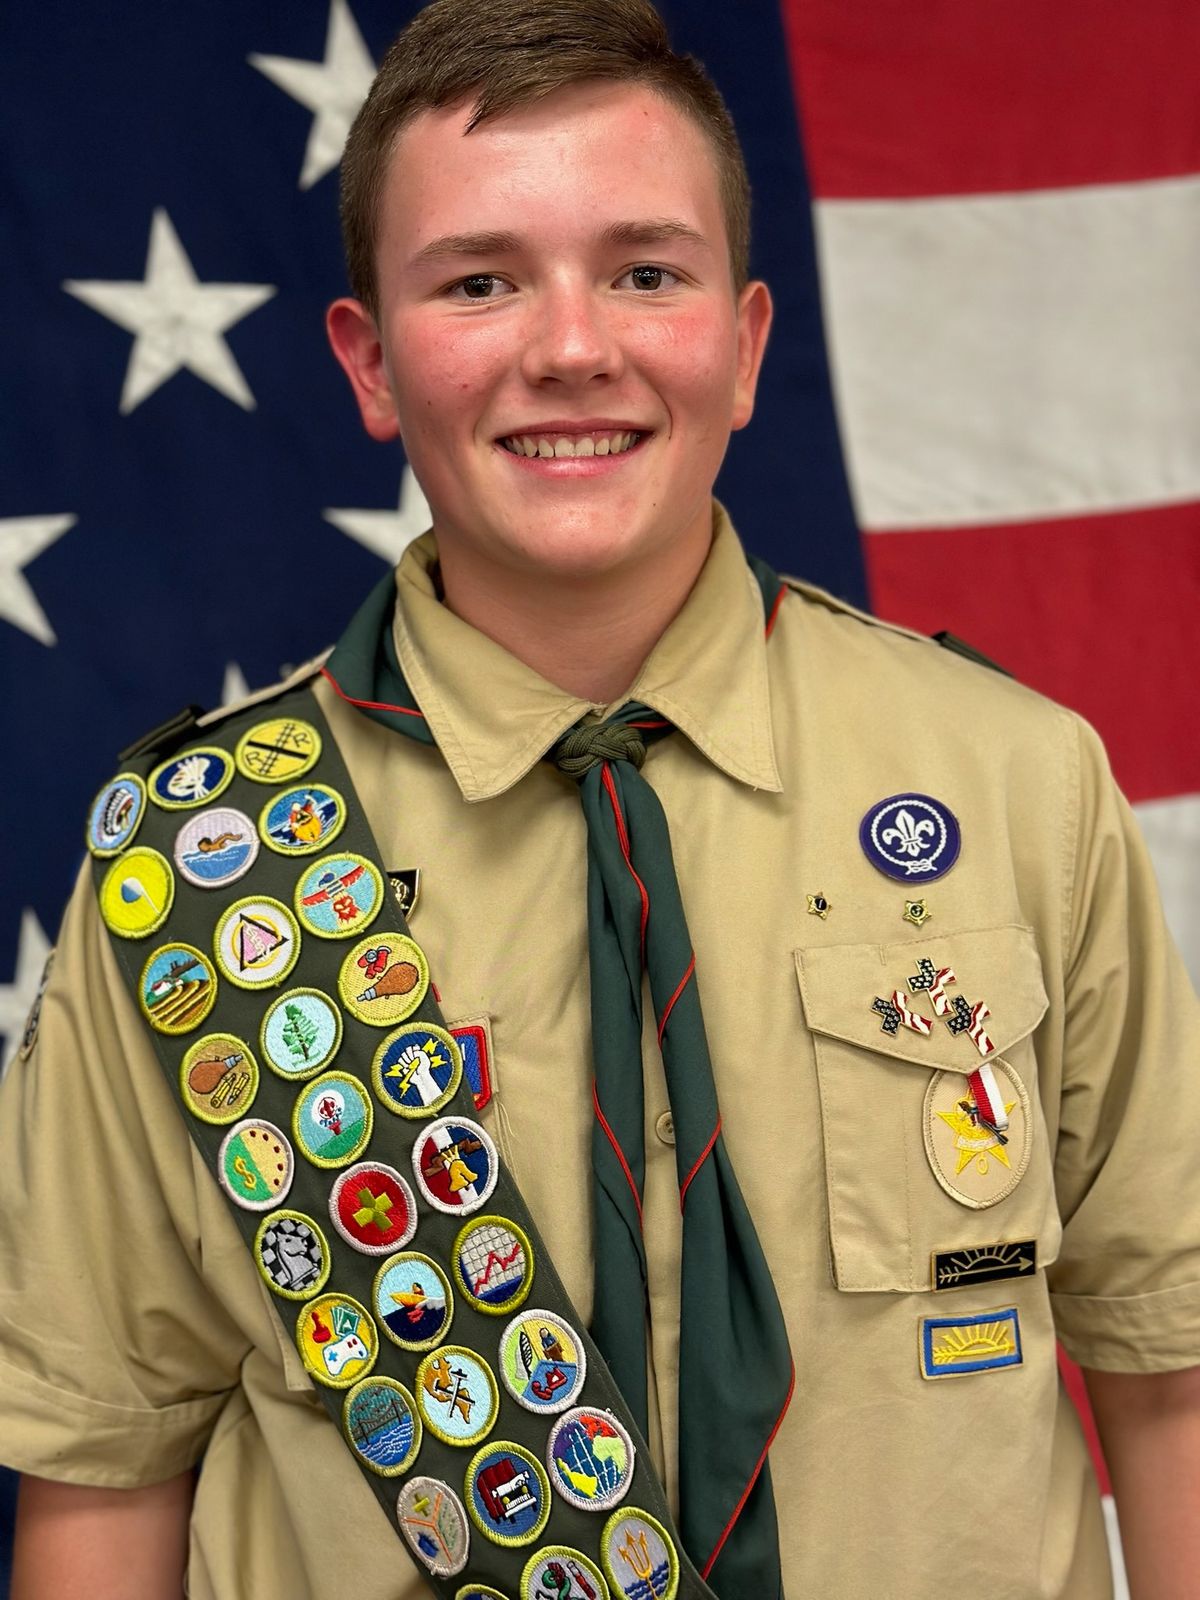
[[384, 979], [591, 1458], [493, 1265], [190, 779], [434, 1525], [983, 1263], [542, 1362], [302, 820], [277, 750], [292, 1255], [373, 1208], [339, 895], [639, 1557], [417, 1070], [178, 988], [215, 847], [910, 836], [955, 1347], [978, 1161], [507, 1494], [457, 1395], [137, 893], [257, 942], [381, 1425], [337, 1340], [412, 1301], [116, 814]]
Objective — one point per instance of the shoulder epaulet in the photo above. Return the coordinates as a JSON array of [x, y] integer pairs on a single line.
[[943, 637], [960, 647]]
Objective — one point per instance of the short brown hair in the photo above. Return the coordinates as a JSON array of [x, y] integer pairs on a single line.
[[508, 54]]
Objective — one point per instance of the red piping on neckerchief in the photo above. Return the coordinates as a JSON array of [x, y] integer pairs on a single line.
[[620, 1154], [758, 1466]]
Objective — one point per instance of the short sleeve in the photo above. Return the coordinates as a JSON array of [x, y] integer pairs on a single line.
[[1126, 1285], [115, 1357]]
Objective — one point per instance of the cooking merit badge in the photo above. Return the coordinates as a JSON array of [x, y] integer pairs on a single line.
[[384, 979], [910, 836]]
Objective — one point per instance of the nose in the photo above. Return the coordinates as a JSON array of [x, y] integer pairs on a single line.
[[572, 337]]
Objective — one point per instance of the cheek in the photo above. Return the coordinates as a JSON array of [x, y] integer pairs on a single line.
[[692, 360], [441, 374]]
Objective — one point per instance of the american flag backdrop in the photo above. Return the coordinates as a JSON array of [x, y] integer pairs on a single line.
[[981, 409]]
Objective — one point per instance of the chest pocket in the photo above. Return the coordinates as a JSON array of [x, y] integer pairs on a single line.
[[911, 1173]]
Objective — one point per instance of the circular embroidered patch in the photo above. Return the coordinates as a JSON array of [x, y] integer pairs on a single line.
[[177, 989], [384, 979], [382, 1427], [493, 1265], [542, 1362], [136, 893], [638, 1556], [302, 820], [190, 779], [434, 1526], [216, 847], [974, 1165], [456, 1165], [479, 1591], [417, 1070], [412, 1301], [278, 749], [301, 1033], [218, 1078], [591, 1458], [292, 1254], [116, 814], [257, 942], [255, 1165], [336, 1340], [373, 1208], [557, 1572], [910, 836], [339, 895], [457, 1394], [332, 1119], [507, 1494]]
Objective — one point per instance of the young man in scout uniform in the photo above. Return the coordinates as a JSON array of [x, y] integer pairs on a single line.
[[933, 1112]]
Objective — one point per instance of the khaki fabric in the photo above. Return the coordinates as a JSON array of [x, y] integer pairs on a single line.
[[135, 1335]]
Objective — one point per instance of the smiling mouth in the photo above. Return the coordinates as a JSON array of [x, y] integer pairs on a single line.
[[567, 446]]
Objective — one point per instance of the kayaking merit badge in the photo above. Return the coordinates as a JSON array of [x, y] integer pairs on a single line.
[[910, 836]]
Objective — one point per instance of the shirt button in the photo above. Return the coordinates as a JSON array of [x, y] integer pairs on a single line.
[[664, 1127]]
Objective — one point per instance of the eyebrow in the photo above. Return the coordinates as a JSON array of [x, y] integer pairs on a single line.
[[648, 231]]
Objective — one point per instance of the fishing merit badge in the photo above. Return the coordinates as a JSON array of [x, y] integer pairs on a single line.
[[910, 836], [977, 1133]]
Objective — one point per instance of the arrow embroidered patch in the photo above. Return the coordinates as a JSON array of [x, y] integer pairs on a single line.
[[984, 1263]]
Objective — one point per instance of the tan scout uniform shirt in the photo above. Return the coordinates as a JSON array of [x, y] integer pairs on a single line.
[[136, 1334]]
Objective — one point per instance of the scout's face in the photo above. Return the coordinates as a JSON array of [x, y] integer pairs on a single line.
[[558, 345]]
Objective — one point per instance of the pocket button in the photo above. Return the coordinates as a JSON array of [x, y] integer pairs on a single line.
[[664, 1127]]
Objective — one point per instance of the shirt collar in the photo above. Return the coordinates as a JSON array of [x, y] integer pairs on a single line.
[[494, 718]]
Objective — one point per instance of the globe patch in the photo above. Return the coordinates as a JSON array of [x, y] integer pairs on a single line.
[[591, 1458]]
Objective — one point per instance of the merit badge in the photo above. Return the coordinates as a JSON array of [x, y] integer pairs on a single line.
[[479, 1591], [384, 978], [417, 1069], [916, 912], [434, 1526], [591, 1458], [292, 1254], [332, 1119], [276, 750], [191, 779], [559, 1573], [337, 1340], [508, 1494], [218, 1078], [33, 1021], [493, 1263], [952, 1347], [255, 1165], [136, 893], [300, 1033], [475, 1041], [373, 1208], [257, 942], [984, 1263], [116, 814], [406, 886], [976, 1162], [216, 847], [302, 820], [381, 1423], [413, 1302], [910, 836], [455, 1164], [638, 1556], [177, 989], [338, 895], [542, 1361], [457, 1394], [819, 905]]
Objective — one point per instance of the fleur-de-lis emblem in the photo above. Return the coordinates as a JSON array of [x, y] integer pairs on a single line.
[[909, 835]]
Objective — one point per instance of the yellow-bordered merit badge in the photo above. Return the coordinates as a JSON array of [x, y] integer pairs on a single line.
[[302, 820], [301, 1033], [417, 1070], [332, 1119], [178, 988], [216, 847], [954, 1347], [412, 1301], [116, 814], [373, 1208], [457, 1395], [218, 1078], [292, 1254], [434, 1525], [479, 1591], [339, 895], [455, 1165], [507, 1493], [984, 1263], [191, 779], [337, 1340], [384, 979], [257, 942], [255, 1165], [136, 894], [381, 1425], [639, 1556], [563, 1572], [543, 1362], [277, 750], [493, 1264], [976, 1163], [591, 1458]]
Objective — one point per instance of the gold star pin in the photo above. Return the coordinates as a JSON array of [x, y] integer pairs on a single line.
[[818, 905], [916, 912]]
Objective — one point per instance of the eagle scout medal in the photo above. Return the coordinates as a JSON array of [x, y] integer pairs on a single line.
[[301, 821], [257, 942], [339, 895], [507, 1494], [216, 847], [384, 979], [638, 1556], [977, 1164], [277, 750], [984, 1263], [412, 1301], [337, 1340], [493, 1263], [910, 836], [373, 1208], [542, 1362], [954, 1347], [300, 1033], [557, 1572], [218, 1078], [457, 1394], [417, 1070], [292, 1254], [255, 1165], [456, 1165], [116, 814], [191, 779], [434, 1525], [591, 1458], [332, 1119], [177, 989], [382, 1427], [137, 893]]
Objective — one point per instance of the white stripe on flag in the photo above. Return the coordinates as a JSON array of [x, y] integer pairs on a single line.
[[1172, 832]]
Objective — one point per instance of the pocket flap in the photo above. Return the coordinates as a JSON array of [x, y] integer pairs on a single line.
[[999, 966]]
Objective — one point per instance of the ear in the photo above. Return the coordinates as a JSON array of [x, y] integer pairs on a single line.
[[356, 343], [754, 313]]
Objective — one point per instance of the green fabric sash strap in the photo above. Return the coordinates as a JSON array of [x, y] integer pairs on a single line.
[[736, 1374]]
